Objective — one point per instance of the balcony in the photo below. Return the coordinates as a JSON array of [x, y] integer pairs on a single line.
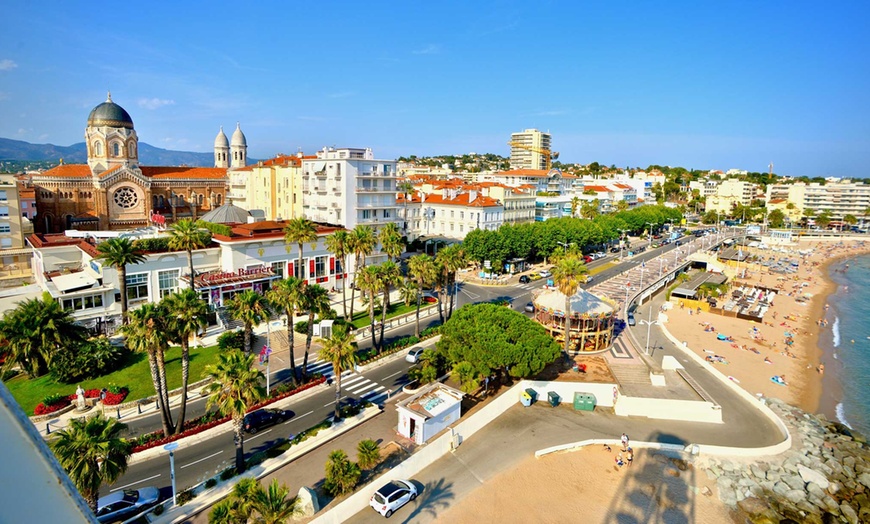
[[375, 190], [320, 174]]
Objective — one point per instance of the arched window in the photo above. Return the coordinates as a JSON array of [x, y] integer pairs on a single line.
[[153, 201], [98, 148], [160, 201], [131, 148], [219, 199], [201, 199], [116, 149], [48, 224]]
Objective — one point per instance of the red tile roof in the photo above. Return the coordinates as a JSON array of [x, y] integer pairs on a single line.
[[597, 189], [462, 200], [69, 171], [158, 173], [524, 172], [280, 160]]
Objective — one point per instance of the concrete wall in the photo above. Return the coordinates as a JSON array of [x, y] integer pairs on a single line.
[[668, 409], [603, 392]]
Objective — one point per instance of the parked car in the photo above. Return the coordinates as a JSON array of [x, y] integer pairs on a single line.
[[678, 243], [413, 355], [589, 278], [631, 321], [535, 276], [123, 504], [392, 496], [263, 418], [524, 279], [600, 254], [530, 307], [587, 259], [615, 249], [544, 273]]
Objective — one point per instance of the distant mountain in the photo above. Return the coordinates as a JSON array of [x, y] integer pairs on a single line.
[[77, 154]]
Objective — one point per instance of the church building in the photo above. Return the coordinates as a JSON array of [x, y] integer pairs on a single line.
[[113, 192]]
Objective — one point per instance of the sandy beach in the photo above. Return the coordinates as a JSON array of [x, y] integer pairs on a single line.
[[757, 351]]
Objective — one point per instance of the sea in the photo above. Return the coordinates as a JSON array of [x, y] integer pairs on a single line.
[[846, 345]]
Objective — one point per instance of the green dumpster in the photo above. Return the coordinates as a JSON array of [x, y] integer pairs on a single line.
[[554, 398], [584, 402]]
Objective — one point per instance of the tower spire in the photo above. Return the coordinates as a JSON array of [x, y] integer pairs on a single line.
[[108, 96]]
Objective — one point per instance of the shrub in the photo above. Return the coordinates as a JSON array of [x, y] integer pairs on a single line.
[[228, 473], [301, 327], [184, 496], [217, 229], [210, 483], [152, 245], [90, 359], [54, 398], [342, 475], [229, 340], [9, 374], [368, 453]]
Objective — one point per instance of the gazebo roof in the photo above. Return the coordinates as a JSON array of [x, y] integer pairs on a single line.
[[582, 303]]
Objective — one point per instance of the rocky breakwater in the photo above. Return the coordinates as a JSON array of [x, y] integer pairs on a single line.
[[823, 478]]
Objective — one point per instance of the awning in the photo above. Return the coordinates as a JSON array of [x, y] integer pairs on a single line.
[[73, 281]]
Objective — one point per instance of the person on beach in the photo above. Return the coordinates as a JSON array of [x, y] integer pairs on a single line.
[[821, 369], [624, 440], [629, 457]]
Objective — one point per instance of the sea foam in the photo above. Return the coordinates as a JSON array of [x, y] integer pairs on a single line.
[[835, 331], [841, 415]]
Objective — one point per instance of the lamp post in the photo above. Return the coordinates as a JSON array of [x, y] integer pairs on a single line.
[[171, 447], [650, 224], [661, 266], [622, 242], [649, 322]]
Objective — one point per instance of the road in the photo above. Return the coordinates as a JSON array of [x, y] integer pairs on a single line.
[[201, 460]]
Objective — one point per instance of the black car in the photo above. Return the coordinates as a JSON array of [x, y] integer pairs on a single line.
[[524, 279], [615, 249], [263, 418]]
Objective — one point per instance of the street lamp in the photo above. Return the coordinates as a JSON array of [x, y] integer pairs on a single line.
[[171, 447], [661, 266], [649, 322], [622, 242], [650, 224]]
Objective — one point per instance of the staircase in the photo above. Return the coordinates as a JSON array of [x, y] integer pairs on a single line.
[[628, 375], [228, 323]]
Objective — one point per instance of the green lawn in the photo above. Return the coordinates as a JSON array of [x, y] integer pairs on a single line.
[[136, 376], [361, 318]]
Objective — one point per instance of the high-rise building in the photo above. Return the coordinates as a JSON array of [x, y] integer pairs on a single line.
[[527, 149]]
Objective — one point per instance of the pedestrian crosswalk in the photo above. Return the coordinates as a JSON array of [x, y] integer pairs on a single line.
[[352, 383]]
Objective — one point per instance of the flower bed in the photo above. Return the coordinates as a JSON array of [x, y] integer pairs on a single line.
[[208, 421], [112, 398]]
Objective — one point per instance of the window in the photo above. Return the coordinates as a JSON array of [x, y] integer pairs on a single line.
[[278, 268], [320, 266], [98, 148], [5, 242], [137, 286], [387, 213], [116, 149], [5, 228], [167, 282], [4, 212], [367, 214], [3, 194], [86, 302], [451, 213], [462, 215]]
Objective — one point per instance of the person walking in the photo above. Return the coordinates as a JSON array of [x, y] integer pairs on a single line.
[[624, 440], [629, 457]]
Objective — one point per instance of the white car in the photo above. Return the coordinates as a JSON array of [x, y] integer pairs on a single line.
[[392, 496], [545, 273], [413, 355]]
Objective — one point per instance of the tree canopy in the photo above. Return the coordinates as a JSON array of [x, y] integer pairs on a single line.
[[489, 337]]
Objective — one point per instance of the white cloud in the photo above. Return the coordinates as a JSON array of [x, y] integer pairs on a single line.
[[7, 65], [431, 49], [154, 103]]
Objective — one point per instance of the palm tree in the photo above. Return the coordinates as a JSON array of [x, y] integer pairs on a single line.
[[301, 231], [575, 204], [92, 453], [363, 241], [186, 315], [567, 275], [391, 241], [34, 331], [119, 253], [368, 453], [340, 351], [315, 299], [273, 504], [186, 235], [340, 244], [287, 295], [423, 271], [251, 308], [408, 291], [452, 260], [390, 275], [405, 187], [235, 386], [146, 332], [369, 282]]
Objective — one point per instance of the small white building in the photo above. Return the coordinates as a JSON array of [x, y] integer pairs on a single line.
[[427, 413]]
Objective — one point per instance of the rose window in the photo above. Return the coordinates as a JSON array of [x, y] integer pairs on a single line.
[[126, 198]]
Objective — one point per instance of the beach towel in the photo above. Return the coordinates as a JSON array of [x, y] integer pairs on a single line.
[[777, 380]]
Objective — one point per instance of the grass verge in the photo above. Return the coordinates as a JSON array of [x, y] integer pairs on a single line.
[[135, 375]]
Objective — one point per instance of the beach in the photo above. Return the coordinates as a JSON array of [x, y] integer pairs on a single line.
[[785, 343]]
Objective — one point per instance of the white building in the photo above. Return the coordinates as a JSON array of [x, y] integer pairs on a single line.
[[529, 148], [432, 410]]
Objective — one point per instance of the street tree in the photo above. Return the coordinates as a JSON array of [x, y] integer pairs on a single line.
[[315, 300], [422, 270], [390, 276], [148, 332], [186, 315], [119, 253], [340, 244], [301, 231], [186, 235], [287, 295], [363, 242], [339, 350], [391, 241], [776, 218], [568, 275], [250, 308], [235, 387]]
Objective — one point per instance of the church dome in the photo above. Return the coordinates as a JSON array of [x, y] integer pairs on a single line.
[[226, 214], [221, 139], [110, 114], [239, 137]]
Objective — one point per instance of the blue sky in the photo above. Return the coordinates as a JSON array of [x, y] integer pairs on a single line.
[[696, 84]]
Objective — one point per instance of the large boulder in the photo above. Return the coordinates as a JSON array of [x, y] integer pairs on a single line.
[[308, 503], [811, 475]]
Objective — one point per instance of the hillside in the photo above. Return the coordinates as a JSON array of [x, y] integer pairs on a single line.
[[17, 150]]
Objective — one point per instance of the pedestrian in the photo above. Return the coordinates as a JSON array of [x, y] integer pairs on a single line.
[[103, 394], [624, 440], [629, 457]]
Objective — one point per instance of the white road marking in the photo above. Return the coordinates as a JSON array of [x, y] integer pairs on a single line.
[[297, 418], [396, 373], [203, 458], [133, 483], [354, 380], [374, 392], [358, 391], [257, 435]]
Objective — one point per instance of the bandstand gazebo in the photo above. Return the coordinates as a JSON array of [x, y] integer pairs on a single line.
[[591, 319]]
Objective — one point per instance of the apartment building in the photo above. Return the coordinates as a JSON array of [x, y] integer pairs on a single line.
[[14, 227], [273, 186], [453, 214], [552, 181], [839, 198], [253, 256], [729, 194], [527, 148], [705, 188]]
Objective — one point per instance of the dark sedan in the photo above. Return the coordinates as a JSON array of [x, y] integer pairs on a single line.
[[263, 418]]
